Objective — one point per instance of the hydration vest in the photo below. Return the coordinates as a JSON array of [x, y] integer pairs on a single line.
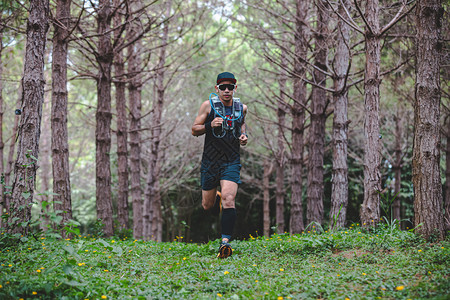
[[235, 118]]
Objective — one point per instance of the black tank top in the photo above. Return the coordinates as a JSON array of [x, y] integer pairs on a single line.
[[221, 150]]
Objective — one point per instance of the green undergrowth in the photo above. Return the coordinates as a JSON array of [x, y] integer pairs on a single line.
[[351, 263]]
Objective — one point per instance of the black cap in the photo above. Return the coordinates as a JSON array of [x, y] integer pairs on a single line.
[[226, 76]]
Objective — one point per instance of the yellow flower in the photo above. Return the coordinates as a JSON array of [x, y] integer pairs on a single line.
[[39, 271], [399, 288], [338, 275], [254, 265], [280, 298], [281, 270], [10, 265], [113, 241], [1, 286], [226, 272], [34, 293], [104, 297], [420, 250], [219, 295], [383, 289], [184, 258], [256, 280], [106, 270], [364, 273], [347, 298]]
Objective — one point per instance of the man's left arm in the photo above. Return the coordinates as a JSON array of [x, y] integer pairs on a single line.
[[244, 137]]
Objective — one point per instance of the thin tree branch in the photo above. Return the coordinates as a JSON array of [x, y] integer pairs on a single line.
[[362, 16], [397, 18]]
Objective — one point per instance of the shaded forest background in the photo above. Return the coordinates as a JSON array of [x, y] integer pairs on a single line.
[[182, 47]]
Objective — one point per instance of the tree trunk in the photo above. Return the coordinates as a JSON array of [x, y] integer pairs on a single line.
[[2, 145], [370, 209], [62, 200], [30, 121], [298, 117], [339, 181], [44, 170], [12, 146], [103, 118], [447, 179], [314, 212], [397, 166], [134, 93], [122, 135], [266, 196], [426, 151], [281, 157], [155, 166]]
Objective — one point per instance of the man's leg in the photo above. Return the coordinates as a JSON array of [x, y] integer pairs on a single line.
[[208, 198], [229, 190]]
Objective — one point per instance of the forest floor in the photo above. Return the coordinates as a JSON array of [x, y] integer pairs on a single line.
[[348, 264]]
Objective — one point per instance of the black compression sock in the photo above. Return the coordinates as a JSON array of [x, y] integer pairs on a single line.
[[228, 220]]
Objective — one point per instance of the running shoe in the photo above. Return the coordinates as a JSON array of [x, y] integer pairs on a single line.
[[225, 250]]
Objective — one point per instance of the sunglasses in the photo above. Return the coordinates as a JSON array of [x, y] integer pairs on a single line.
[[223, 87]]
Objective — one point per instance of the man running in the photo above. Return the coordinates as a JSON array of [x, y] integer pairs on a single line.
[[222, 120]]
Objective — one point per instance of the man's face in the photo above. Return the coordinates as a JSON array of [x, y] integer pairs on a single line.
[[225, 90]]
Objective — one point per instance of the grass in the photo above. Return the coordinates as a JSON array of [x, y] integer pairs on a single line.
[[352, 263]]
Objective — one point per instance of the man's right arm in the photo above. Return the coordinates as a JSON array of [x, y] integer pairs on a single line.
[[199, 127]]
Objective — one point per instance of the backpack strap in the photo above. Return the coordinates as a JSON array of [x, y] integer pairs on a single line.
[[236, 116]]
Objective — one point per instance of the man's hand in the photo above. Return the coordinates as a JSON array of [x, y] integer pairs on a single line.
[[217, 122], [243, 139]]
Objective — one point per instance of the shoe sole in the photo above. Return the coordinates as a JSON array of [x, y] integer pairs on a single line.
[[225, 251]]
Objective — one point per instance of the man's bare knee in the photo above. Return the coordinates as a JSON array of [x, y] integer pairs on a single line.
[[228, 201], [206, 205]]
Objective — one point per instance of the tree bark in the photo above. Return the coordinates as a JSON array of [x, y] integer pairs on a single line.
[[134, 93], [314, 212], [370, 208], [281, 156], [44, 170], [30, 121], [298, 117], [2, 145], [122, 134], [103, 118], [62, 200], [10, 159], [426, 151], [397, 167], [268, 167], [154, 193], [339, 179], [447, 179]]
